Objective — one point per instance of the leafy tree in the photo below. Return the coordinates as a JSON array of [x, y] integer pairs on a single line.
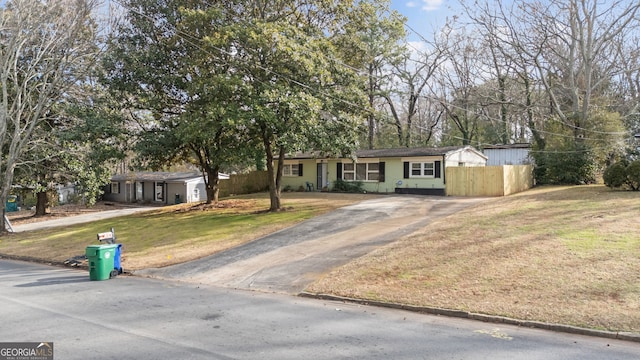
[[569, 164], [302, 96], [371, 40], [215, 82], [182, 86]]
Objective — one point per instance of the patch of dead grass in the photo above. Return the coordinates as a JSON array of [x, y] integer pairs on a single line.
[[562, 255]]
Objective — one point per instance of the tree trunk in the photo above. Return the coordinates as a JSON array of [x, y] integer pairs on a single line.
[[42, 203], [274, 175], [371, 117], [212, 184]]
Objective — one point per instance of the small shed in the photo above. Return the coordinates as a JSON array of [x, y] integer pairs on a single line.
[[510, 154]]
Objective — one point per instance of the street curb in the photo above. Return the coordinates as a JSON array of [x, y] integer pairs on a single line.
[[39, 261], [60, 264], [626, 336]]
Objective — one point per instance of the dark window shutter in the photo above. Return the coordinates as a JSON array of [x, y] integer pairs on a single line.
[[436, 169], [339, 171], [381, 172], [406, 169], [299, 169]]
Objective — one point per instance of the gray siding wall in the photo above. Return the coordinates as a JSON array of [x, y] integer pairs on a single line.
[[499, 157]]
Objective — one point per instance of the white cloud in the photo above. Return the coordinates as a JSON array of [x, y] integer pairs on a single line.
[[411, 4], [416, 46], [430, 5]]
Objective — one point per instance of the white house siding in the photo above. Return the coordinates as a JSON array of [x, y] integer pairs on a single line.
[[465, 157], [196, 191], [182, 184]]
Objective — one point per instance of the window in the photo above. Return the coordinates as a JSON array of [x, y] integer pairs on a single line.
[[115, 187], [348, 171], [291, 170], [422, 169], [361, 171]]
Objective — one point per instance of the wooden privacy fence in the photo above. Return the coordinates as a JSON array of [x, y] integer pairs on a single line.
[[244, 183], [488, 180]]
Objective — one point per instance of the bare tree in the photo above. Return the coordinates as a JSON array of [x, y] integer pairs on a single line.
[[571, 44], [412, 77], [458, 83], [46, 48]]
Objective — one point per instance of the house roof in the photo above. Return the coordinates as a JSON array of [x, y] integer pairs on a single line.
[[407, 152], [395, 152], [161, 176]]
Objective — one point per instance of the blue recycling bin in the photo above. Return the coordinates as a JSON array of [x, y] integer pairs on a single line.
[[116, 259]]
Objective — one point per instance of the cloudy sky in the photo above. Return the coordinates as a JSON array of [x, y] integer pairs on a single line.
[[424, 16]]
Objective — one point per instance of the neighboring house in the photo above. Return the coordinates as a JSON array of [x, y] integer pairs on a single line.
[[65, 193], [403, 170], [512, 154], [158, 187]]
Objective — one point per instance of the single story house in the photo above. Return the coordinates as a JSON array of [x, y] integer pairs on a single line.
[[401, 170], [158, 187], [510, 154]]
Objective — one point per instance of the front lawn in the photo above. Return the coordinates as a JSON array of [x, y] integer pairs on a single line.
[[568, 255], [177, 233]]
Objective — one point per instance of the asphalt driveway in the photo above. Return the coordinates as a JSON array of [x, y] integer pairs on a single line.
[[289, 260]]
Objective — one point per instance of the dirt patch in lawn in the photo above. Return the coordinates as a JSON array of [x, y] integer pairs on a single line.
[[562, 255]]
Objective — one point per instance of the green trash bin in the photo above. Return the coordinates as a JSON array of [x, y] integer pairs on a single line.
[[12, 203], [101, 260]]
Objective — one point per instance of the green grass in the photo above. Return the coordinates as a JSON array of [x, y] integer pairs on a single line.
[[173, 234]]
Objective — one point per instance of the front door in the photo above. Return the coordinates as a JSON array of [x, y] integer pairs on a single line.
[[159, 193], [321, 172], [139, 191]]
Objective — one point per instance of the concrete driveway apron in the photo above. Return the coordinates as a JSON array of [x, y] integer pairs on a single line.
[[289, 260]]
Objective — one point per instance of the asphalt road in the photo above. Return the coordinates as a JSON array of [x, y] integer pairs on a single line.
[[139, 318], [289, 260]]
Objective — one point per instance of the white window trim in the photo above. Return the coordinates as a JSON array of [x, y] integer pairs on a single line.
[[367, 171], [287, 169], [115, 187], [422, 169]]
